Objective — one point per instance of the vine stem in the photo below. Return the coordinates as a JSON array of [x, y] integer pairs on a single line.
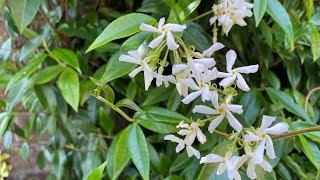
[[225, 135], [202, 15], [294, 133], [308, 97], [123, 114]]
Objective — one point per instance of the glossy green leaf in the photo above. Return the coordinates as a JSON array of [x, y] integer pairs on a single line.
[[294, 73], [194, 35], [105, 121], [68, 57], [181, 162], [26, 70], [309, 6], [122, 27], [259, 9], [159, 119], [68, 84], [129, 104], [4, 121], [111, 155], [47, 97], [154, 158], [132, 90], [272, 79], [264, 175], [122, 154], [23, 12], [58, 162], [47, 74], [97, 173], [312, 153], [87, 88], [24, 152], [7, 139], [138, 149], [182, 10], [252, 103], [5, 49], [280, 98], [315, 19], [157, 95], [41, 161], [315, 43], [102, 85], [280, 15], [30, 47]]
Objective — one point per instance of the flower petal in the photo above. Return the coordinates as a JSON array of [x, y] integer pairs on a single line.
[[223, 75], [258, 154], [178, 68], [204, 110], [241, 83], [190, 138], [135, 71], [278, 128], [269, 148], [266, 166], [214, 99], [251, 170], [175, 27], [231, 58], [222, 167], [171, 43], [213, 19], [172, 138], [211, 158], [234, 108], [161, 23], [182, 124], [234, 123], [214, 123], [183, 132], [247, 69], [129, 59], [192, 151], [155, 43], [200, 136], [149, 28], [215, 47], [227, 81], [207, 62], [190, 83], [205, 93], [249, 137], [135, 54], [191, 97], [266, 122]]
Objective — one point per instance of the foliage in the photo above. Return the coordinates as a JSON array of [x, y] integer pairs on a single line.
[[68, 78]]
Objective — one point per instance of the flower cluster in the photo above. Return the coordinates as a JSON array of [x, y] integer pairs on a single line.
[[194, 75], [230, 12]]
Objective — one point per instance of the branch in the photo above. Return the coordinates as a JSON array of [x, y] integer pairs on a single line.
[[308, 97], [294, 133]]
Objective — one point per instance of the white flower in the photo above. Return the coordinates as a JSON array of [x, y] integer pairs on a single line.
[[208, 53], [251, 169], [135, 57], [222, 110], [166, 31], [230, 12], [165, 79], [265, 141], [201, 88], [191, 132], [232, 164], [234, 74]]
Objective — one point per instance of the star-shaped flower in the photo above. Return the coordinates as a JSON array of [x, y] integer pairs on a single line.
[[165, 30], [234, 74]]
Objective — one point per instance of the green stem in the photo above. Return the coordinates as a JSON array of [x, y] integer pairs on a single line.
[[200, 16], [225, 135], [123, 114], [180, 41], [50, 54], [294, 133]]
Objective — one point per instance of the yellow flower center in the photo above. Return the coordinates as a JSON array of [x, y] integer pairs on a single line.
[[192, 129], [264, 135], [233, 72], [220, 110], [202, 85], [141, 63], [163, 29]]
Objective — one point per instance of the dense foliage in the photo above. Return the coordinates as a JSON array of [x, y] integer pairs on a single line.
[[72, 79]]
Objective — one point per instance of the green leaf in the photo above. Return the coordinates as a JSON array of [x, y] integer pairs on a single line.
[[58, 162], [309, 6], [105, 121], [182, 10], [159, 119], [5, 49], [47, 97], [97, 173], [264, 175], [316, 19], [315, 43], [132, 90], [41, 160], [294, 73], [181, 162], [122, 27], [68, 84], [310, 150], [280, 98], [280, 15], [128, 103], [251, 104], [194, 35], [157, 95], [4, 121], [259, 9], [47, 74], [111, 154], [135, 42], [122, 154], [30, 47], [299, 125], [26, 71], [23, 12], [272, 79], [138, 149], [7, 139], [108, 91], [68, 57], [24, 152], [86, 87]]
